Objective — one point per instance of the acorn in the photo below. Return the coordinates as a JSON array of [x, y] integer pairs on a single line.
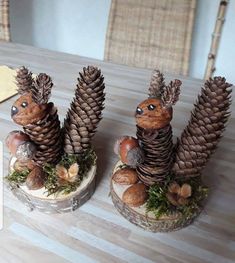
[[129, 151], [14, 139]]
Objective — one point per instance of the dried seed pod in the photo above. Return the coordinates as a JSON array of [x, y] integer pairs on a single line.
[[136, 195], [62, 172], [125, 176], [178, 195], [174, 188], [70, 174], [73, 172]]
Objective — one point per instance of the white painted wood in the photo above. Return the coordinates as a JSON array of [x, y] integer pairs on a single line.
[[210, 239]]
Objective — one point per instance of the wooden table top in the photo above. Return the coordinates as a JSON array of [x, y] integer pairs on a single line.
[[96, 232]]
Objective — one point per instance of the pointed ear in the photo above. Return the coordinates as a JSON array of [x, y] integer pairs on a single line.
[[41, 90], [24, 80], [157, 84], [171, 94]]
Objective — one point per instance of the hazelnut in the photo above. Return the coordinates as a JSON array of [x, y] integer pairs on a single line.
[[136, 195], [125, 176], [36, 179]]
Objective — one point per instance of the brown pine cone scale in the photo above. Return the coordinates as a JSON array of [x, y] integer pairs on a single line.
[[158, 149], [85, 112], [204, 130]]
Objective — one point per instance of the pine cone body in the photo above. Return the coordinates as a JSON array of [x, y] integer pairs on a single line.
[[24, 80], [85, 112], [47, 136], [158, 150], [201, 136]]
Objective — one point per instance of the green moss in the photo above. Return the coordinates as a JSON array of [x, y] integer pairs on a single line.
[[160, 206], [53, 184], [18, 177]]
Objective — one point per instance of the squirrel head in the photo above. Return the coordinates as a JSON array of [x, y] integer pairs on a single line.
[[33, 103], [150, 114], [26, 111], [156, 112]]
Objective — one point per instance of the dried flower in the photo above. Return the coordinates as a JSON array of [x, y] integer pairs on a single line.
[[177, 195], [70, 174]]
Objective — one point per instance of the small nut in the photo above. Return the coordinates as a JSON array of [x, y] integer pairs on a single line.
[[125, 146], [36, 179], [125, 176], [136, 195]]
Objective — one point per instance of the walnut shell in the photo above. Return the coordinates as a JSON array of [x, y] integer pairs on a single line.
[[125, 176], [136, 195], [29, 114], [151, 114], [36, 179]]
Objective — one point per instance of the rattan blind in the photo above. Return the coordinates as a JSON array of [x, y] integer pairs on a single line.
[[151, 34], [4, 20]]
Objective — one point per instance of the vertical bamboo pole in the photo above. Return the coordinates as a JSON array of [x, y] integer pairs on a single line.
[[210, 67]]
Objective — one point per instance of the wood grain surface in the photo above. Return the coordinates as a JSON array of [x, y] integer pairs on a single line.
[[96, 232]]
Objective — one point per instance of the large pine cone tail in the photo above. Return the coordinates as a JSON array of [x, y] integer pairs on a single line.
[[204, 130], [47, 136], [85, 112]]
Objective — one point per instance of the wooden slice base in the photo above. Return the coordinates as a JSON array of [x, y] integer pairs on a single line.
[[139, 216], [37, 199]]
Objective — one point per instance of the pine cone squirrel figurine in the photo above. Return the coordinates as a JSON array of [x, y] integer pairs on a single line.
[[44, 141], [162, 160]]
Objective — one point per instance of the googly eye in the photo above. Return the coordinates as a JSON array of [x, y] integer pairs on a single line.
[[139, 111], [151, 107], [24, 104]]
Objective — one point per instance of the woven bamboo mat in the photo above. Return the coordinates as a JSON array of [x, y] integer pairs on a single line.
[[7, 83], [151, 34], [4, 20]]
